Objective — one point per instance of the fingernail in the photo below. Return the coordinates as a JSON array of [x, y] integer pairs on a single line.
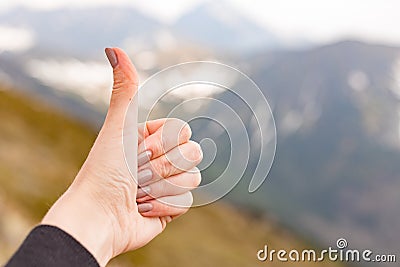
[[145, 207], [144, 176], [112, 57], [144, 157], [143, 191]]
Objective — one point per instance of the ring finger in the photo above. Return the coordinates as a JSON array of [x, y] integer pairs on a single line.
[[174, 185], [178, 160]]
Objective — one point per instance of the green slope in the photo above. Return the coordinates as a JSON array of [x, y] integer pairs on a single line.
[[41, 150]]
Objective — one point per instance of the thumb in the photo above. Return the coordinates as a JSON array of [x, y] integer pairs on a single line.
[[125, 86]]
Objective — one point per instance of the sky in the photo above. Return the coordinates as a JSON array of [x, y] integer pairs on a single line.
[[314, 20]]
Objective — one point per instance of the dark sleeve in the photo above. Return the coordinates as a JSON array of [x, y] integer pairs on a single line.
[[50, 246]]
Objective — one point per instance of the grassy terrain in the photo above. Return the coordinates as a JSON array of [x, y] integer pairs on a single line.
[[41, 150]]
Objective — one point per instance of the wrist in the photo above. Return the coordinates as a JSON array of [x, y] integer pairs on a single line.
[[79, 217]]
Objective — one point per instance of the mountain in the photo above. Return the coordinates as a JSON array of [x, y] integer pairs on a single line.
[[38, 161], [336, 106], [13, 72], [68, 42], [83, 32], [336, 170], [223, 28]]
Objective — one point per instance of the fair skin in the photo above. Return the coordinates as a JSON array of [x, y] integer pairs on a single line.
[[105, 209]]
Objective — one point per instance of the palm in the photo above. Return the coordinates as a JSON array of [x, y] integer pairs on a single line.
[[121, 206]]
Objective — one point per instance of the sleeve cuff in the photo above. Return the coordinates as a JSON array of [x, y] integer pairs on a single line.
[[48, 245]]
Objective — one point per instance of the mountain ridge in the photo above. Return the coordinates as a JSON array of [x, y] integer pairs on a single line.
[[38, 161]]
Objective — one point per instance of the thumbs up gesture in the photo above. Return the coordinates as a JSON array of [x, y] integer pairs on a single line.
[[111, 210]]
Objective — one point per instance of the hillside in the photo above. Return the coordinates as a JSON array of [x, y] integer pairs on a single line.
[[338, 130], [337, 166], [41, 150]]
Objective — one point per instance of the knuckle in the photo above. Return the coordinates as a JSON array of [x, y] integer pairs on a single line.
[[176, 121], [123, 87], [157, 167], [196, 178], [173, 123], [165, 167], [196, 153], [116, 94], [178, 128], [123, 80], [185, 131], [163, 141], [158, 145], [154, 144]]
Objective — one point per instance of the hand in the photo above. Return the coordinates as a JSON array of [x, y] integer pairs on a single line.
[[166, 162], [99, 209]]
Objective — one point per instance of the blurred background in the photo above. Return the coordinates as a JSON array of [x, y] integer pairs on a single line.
[[329, 69]]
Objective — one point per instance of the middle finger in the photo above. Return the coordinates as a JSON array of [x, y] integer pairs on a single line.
[[180, 159]]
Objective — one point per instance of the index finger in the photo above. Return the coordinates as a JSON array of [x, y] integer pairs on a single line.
[[162, 136]]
